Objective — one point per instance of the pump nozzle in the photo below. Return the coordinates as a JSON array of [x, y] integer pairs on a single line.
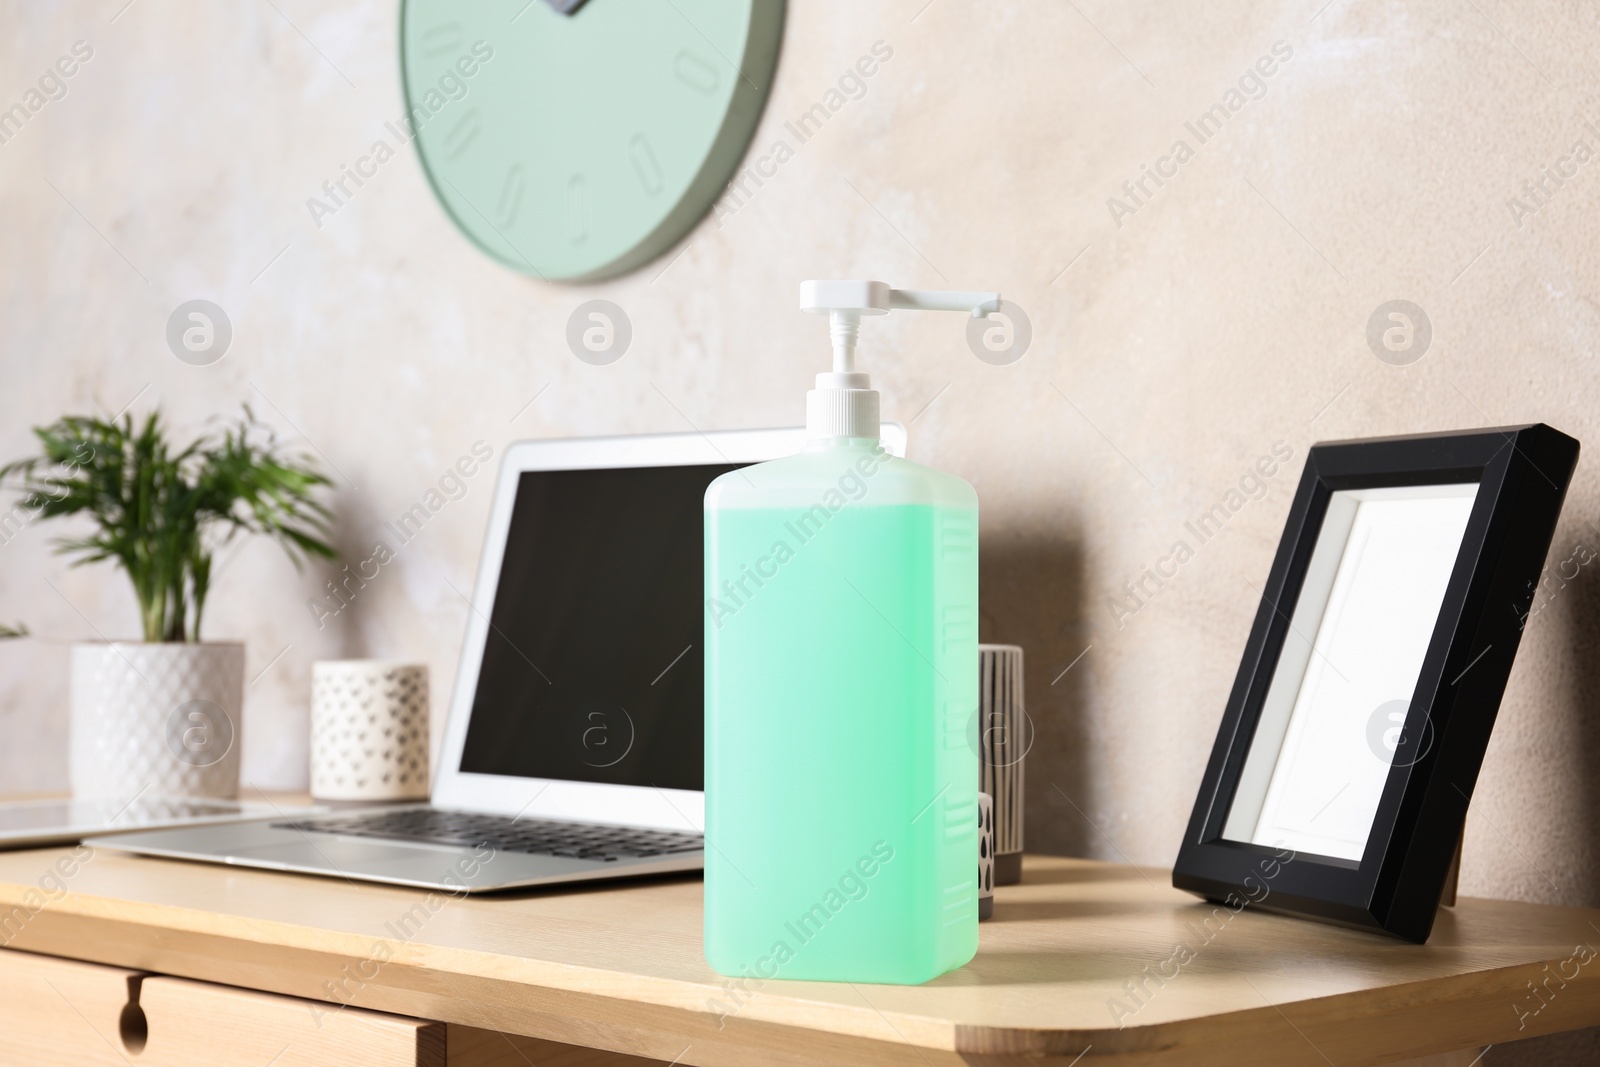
[[979, 304], [844, 403]]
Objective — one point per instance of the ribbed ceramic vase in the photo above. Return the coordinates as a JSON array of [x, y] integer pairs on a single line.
[[155, 720], [1004, 734], [985, 856]]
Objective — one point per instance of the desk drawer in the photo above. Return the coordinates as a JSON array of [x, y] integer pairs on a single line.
[[61, 1013], [197, 1024]]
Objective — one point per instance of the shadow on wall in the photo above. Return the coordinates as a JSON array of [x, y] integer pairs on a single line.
[[337, 594], [1033, 595], [1582, 623], [1569, 600]]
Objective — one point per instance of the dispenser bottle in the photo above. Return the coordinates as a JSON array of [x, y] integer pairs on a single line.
[[842, 690]]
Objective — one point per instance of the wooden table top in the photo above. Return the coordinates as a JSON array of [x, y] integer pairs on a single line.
[[1080, 956]]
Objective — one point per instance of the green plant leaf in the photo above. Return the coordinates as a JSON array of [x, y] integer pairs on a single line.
[[159, 514]]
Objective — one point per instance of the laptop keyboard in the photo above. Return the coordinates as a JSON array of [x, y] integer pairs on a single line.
[[504, 834]]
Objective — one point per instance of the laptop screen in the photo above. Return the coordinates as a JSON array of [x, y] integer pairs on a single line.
[[593, 669]]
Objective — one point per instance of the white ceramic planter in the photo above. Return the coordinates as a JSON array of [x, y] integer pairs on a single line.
[[155, 719]]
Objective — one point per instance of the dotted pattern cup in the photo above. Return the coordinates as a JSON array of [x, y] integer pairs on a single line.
[[985, 856], [369, 730]]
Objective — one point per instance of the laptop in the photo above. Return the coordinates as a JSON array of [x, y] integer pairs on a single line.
[[574, 747], [50, 821]]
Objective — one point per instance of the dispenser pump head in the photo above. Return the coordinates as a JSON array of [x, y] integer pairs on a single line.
[[844, 404]]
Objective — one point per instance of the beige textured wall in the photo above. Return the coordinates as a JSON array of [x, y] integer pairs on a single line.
[[1173, 345]]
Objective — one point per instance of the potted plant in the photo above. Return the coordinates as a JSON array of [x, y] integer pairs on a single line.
[[161, 716]]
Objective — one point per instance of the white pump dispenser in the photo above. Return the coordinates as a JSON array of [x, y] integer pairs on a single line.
[[844, 404]]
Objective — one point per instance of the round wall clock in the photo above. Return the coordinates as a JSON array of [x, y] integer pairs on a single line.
[[575, 140]]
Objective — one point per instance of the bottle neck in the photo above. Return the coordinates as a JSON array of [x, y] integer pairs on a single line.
[[851, 444], [842, 405]]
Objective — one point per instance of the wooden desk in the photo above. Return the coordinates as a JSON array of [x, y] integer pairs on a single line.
[[1075, 950]]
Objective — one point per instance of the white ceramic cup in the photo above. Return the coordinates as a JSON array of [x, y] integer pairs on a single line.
[[369, 730]]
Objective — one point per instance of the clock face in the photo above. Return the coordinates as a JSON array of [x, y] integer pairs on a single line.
[[577, 146]]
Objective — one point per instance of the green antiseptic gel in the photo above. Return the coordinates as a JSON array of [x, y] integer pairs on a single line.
[[842, 693]]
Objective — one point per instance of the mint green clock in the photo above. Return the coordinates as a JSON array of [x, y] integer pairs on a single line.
[[575, 140]]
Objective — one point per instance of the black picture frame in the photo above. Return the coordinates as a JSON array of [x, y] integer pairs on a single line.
[[1522, 474]]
